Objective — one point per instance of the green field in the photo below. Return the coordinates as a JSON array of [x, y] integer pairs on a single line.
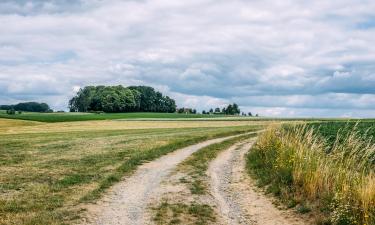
[[330, 129], [47, 170], [69, 117]]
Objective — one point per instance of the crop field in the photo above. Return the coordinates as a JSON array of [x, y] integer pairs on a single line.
[[47, 170], [331, 129]]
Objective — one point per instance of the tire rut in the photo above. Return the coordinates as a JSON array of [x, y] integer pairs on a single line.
[[235, 195]]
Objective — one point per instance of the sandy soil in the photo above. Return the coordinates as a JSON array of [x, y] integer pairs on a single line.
[[126, 202], [238, 200]]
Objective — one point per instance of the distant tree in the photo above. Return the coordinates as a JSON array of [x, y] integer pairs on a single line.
[[250, 114], [232, 109], [5, 107], [257, 115], [181, 110], [217, 110], [235, 109], [211, 110], [194, 111], [11, 111], [204, 112], [28, 107]]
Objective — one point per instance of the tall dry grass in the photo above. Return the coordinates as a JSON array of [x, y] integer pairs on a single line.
[[337, 178]]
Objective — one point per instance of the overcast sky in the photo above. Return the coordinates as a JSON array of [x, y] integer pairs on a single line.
[[276, 58]]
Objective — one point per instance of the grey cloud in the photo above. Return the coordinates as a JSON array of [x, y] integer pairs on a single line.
[[34, 7]]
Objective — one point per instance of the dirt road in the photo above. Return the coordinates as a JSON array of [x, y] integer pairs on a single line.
[[232, 193], [126, 202]]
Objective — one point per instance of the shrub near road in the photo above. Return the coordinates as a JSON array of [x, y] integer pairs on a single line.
[[338, 179]]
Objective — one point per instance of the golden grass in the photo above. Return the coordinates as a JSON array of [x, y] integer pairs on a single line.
[[6, 124], [18, 127], [339, 179]]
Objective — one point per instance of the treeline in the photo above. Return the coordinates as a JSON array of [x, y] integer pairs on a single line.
[[231, 109], [27, 106], [121, 99]]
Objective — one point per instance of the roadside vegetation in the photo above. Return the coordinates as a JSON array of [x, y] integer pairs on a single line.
[[326, 168], [45, 174], [196, 210]]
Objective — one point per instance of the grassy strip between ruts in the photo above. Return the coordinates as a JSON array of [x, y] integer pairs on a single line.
[[336, 180], [197, 164], [195, 212], [179, 213]]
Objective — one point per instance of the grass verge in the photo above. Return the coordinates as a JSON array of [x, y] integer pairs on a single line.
[[335, 179]]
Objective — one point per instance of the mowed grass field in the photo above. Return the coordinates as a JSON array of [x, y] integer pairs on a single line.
[[48, 170]]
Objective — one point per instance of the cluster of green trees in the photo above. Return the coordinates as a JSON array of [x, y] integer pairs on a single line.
[[231, 109], [121, 99], [27, 107], [187, 110]]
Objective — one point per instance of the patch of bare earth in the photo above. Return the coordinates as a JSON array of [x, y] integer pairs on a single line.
[[238, 200]]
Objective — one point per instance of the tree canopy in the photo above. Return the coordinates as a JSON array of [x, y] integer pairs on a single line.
[[232, 109], [28, 107], [121, 99]]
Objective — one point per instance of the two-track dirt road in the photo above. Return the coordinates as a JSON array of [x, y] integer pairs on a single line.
[[237, 203]]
